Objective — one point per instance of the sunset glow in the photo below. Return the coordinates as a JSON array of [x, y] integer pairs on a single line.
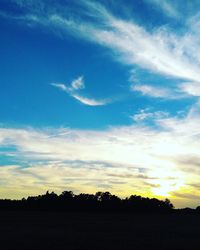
[[100, 96]]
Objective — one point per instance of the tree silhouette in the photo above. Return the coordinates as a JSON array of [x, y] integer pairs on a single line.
[[99, 202]]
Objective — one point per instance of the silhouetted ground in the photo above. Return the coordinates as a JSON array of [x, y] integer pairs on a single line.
[[84, 231]]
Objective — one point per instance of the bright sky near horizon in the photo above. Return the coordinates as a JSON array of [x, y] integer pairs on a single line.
[[100, 95]]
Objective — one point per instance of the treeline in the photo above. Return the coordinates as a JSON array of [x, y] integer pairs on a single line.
[[99, 202]]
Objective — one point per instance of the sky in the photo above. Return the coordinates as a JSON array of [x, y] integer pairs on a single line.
[[100, 96]]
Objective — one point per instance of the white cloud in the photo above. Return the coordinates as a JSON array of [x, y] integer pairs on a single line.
[[194, 23], [89, 101], [161, 51], [128, 149], [191, 88], [167, 8], [60, 86], [145, 114], [78, 83], [152, 91], [56, 176], [73, 90]]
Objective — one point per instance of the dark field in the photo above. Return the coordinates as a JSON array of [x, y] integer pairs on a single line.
[[40, 230]]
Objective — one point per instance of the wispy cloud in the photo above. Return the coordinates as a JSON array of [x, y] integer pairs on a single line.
[[89, 101], [127, 151], [168, 8], [78, 83], [187, 196], [191, 88], [160, 51], [73, 90], [61, 86], [152, 91], [145, 114]]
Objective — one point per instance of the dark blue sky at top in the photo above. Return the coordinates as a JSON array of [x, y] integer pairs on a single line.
[[33, 56]]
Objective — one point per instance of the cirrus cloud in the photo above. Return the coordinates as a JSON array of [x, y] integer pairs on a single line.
[[73, 90]]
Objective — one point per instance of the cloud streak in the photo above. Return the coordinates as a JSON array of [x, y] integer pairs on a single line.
[[145, 114], [153, 91], [190, 88], [166, 7], [73, 90], [161, 51], [113, 155]]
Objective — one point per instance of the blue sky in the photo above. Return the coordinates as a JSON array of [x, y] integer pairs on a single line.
[[100, 95]]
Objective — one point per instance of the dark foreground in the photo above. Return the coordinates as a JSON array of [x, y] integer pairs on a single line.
[[84, 231]]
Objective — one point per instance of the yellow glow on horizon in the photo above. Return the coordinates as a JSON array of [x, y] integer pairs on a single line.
[[164, 189], [166, 181]]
